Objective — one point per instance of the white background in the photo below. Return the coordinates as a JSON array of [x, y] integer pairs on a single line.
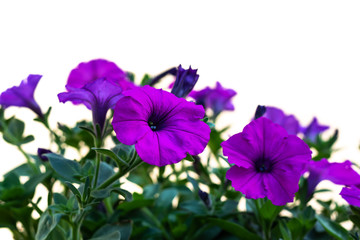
[[301, 56]]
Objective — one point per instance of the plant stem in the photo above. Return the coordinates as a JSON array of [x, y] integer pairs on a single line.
[[28, 160]]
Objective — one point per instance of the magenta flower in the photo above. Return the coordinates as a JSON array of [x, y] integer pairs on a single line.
[[99, 96], [217, 99], [313, 130], [163, 127], [22, 95], [338, 173], [352, 195], [184, 82], [268, 161], [88, 72], [289, 122]]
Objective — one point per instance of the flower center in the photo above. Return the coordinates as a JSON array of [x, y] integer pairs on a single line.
[[263, 166], [152, 125]]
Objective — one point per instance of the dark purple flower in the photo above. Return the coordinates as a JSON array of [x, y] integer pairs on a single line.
[[268, 161], [99, 96], [217, 99], [338, 173], [163, 127], [313, 130], [184, 82], [22, 95], [352, 195], [289, 122], [88, 72], [41, 152]]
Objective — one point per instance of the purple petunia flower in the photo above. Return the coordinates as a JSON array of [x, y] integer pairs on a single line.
[[313, 130], [88, 72], [338, 173], [163, 127], [99, 96], [351, 194], [184, 82], [23, 95], [289, 122], [268, 161], [217, 99]]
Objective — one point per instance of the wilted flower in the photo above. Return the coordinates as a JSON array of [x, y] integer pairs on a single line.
[[351, 194], [185, 81], [268, 161], [23, 95], [218, 99], [163, 127], [289, 122], [338, 173], [313, 130]]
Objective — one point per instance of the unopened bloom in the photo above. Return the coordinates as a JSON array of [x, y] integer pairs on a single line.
[[338, 173], [313, 130], [22, 95], [217, 99], [351, 194], [289, 122], [163, 127], [268, 162], [184, 82]]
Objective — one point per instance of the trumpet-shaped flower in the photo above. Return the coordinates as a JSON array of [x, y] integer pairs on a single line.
[[217, 99], [22, 95], [99, 96], [351, 194], [289, 122], [268, 162], [313, 130], [88, 72], [163, 127], [338, 173]]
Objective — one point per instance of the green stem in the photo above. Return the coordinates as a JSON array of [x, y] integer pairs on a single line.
[[28, 160]]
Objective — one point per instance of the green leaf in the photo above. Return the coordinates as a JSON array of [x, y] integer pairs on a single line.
[[333, 228], [285, 232], [269, 211], [68, 169], [233, 228], [75, 191], [108, 232], [104, 193], [46, 224], [165, 198], [105, 172], [22, 170], [32, 183], [145, 80], [14, 131], [59, 199], [112, 155]]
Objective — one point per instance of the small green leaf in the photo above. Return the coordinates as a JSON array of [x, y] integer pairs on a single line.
[[68, 169], [104, 193], [75, 191], [333, 228], [59, 199], [46, 224], [14, 131], [112, 155]]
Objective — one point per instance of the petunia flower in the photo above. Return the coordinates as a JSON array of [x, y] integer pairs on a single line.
[[217, 99], [351, 194], [98, 96], [313, 130], [88, 72], [268, 162], [23, 95], [163, 127], [184, 82], [289, 122], [338, 173]]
